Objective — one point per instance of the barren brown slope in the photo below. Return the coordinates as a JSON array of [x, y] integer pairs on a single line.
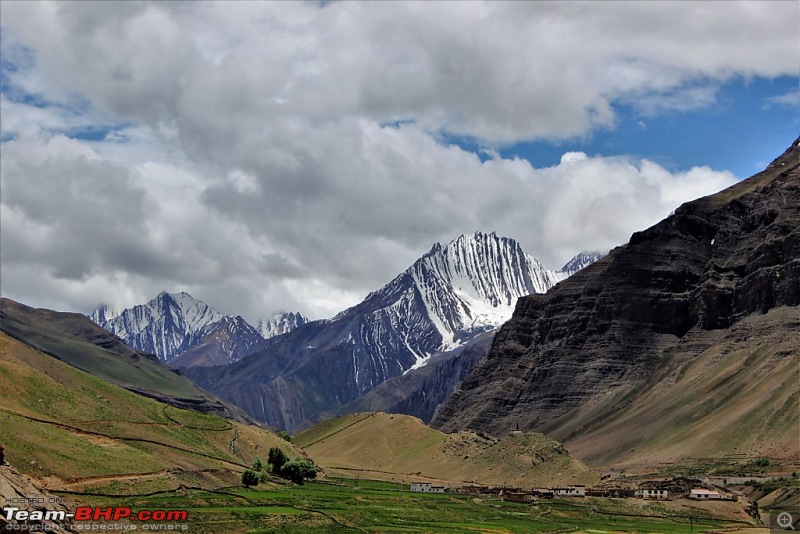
[[738, 397], [681, 343], [402, 448]]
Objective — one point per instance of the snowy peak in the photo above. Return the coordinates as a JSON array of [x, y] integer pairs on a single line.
[[454, 295], [173, 323], [581, 260], [188, 313], [280, 323], [103, 314], [179, 327], [472, 284]]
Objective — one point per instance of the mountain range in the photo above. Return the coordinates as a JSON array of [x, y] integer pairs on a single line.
[[452, 295], [184, 331], [681, 344]]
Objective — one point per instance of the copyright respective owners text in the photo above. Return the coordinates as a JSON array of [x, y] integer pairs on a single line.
[[36, 515], [787, 520]]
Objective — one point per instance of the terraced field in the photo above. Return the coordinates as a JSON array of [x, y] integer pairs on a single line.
[[350, 505]]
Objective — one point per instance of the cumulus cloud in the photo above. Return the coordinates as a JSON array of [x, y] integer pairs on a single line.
[[288, 155], [374, 204], [496, 71]]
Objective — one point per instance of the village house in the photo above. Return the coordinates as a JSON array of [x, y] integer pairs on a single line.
[[570, 491], [427, 487], [701, 494], [651, 493], [519, 496], [474, 489]]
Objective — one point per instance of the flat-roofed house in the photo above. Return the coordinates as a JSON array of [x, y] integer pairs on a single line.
[[702, 494], [570, 491], [652, 493], [427, 487]]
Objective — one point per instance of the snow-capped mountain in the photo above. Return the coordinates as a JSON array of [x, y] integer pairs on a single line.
[[581, 260], [280, 323], [173, 323], [472, 284], [447, 298], [103, 314]]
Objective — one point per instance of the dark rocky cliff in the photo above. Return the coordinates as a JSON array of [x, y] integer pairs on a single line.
[[607, 334], [421, 392]]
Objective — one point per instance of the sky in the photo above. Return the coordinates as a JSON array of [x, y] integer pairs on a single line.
[[267, 156]]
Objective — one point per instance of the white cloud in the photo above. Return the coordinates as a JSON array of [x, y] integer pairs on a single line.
[[111, 234], [789, 100], [246, 163], [496, 71]]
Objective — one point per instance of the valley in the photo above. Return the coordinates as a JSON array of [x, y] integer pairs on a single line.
[[671, 362], [407, 267]]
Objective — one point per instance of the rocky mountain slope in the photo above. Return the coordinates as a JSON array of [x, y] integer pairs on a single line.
[[581, 260], [185, 331], [280, 323], [681, 343], [448, 297], [420, 392]]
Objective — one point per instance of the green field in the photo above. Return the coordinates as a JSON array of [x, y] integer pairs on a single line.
[[373, 506]]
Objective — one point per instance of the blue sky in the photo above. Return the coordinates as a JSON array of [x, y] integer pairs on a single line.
[[750, 123], [296, 155]]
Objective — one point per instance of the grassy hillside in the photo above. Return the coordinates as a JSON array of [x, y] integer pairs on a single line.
[[74, 431], [73, 338], [400, 447]]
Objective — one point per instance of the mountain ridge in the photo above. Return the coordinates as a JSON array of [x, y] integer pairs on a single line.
[[634, 326], [442, 301], [184, 331]]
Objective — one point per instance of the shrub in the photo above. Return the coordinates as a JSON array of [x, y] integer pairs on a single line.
[[249, 478], [762, 462], [285, 435], [298, 470], [257, 465]]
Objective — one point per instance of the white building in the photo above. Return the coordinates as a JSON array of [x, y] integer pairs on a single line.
[[701, 494], [570, 491], [426, 487], [651, 493]]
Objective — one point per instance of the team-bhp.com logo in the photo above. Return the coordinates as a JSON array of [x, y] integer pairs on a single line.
[[88, 513]]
